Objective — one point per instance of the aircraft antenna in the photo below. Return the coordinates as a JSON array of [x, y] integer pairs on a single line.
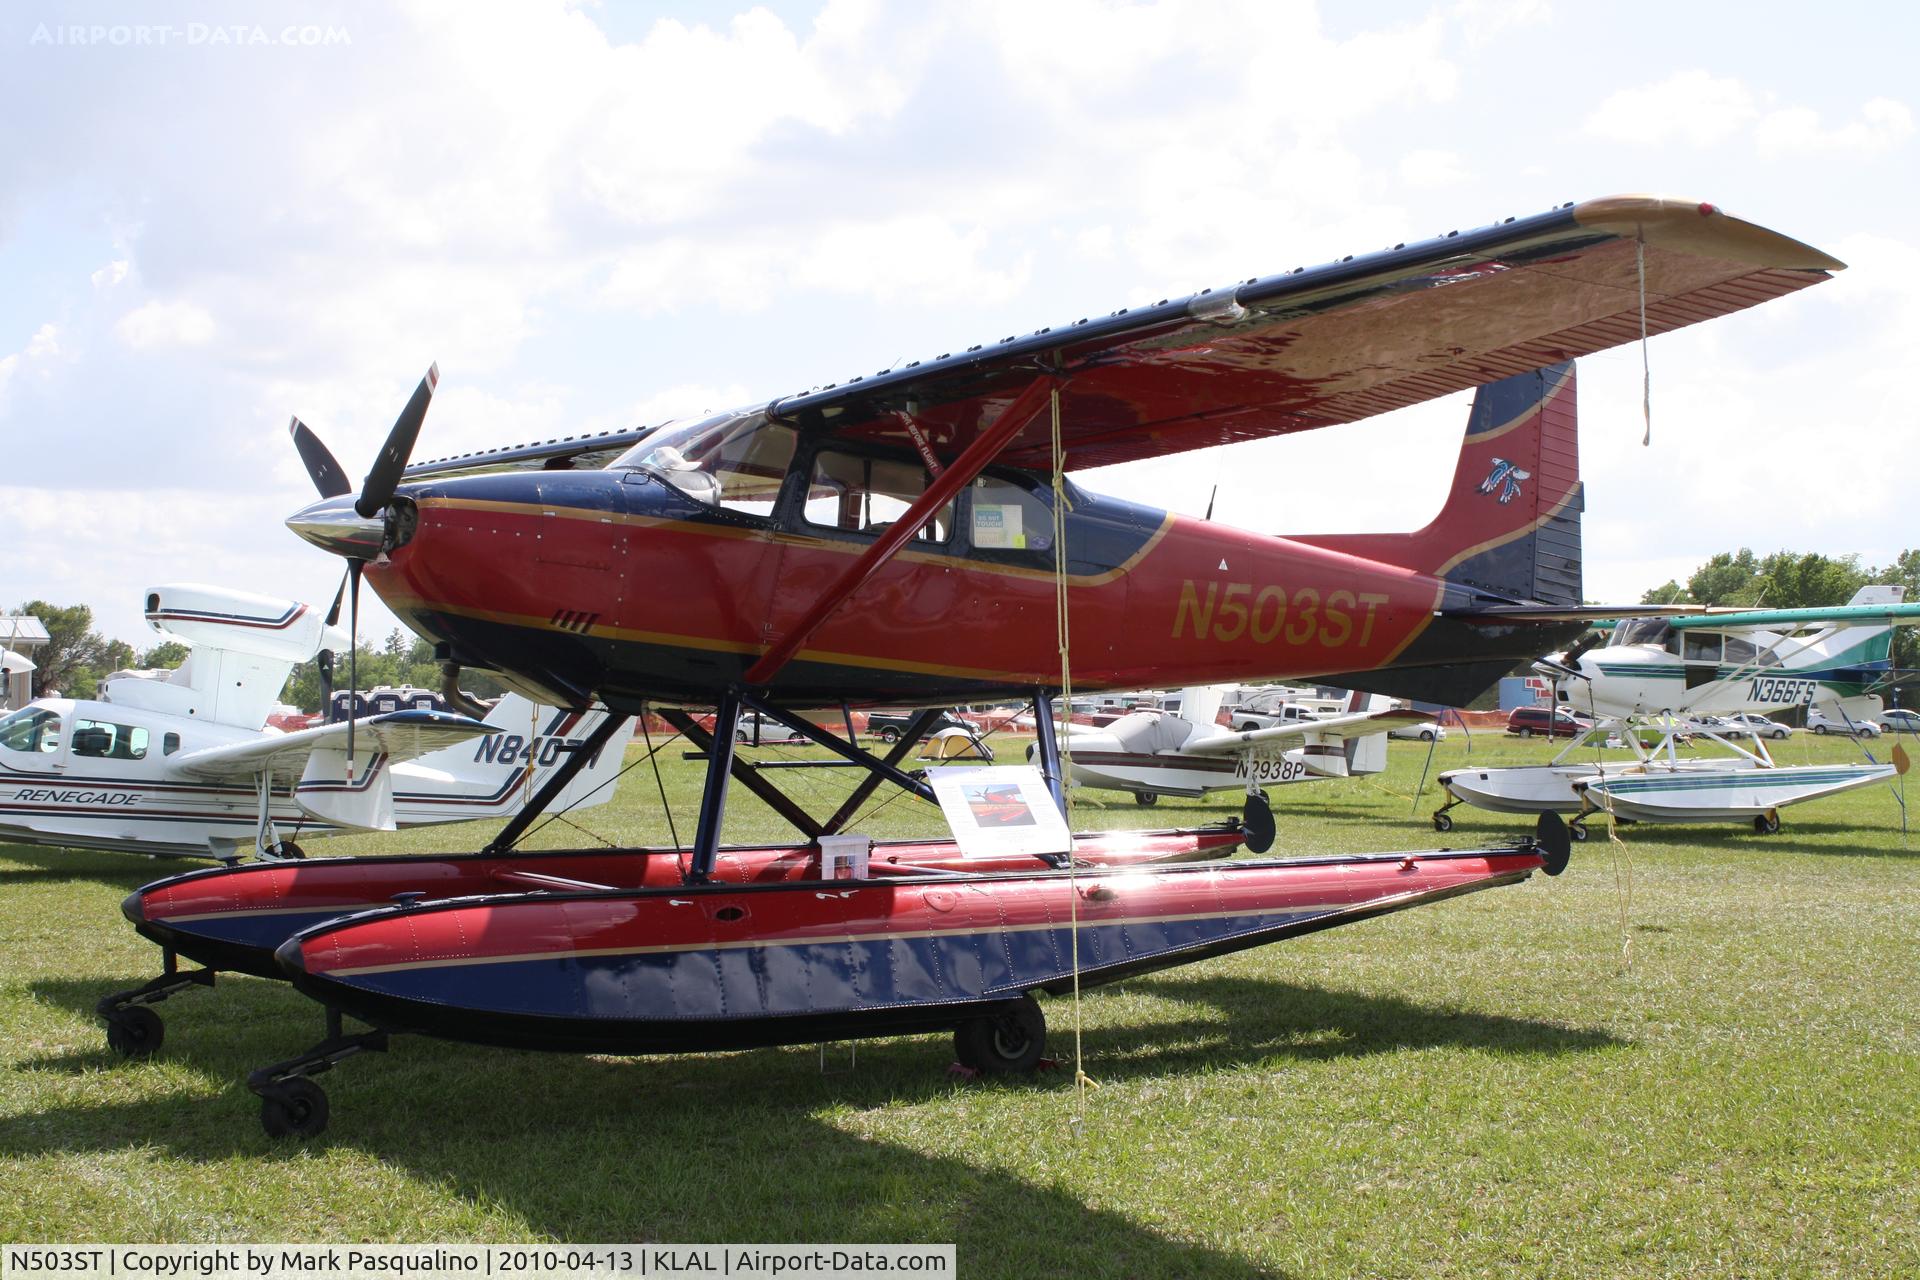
[[1081, 1080]]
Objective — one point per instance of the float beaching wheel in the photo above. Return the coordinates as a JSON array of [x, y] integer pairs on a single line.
[[1146, 799], [1256, 820], [293, 1108], [1767, 824], [1443, 822], [1001, 1043], [135, 1031]]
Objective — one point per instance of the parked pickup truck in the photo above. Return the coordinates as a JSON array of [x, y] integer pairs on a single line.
[[889, 725]]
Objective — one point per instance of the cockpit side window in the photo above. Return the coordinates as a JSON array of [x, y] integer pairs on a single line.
[[1005, 516], [103, 740], [865, 495], [31, 729], [1701, 646]]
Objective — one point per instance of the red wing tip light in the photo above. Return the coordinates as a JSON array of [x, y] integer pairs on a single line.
[[433, 375]]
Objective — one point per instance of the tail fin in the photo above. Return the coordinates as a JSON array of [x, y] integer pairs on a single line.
[[1200, 705], [1510, 529], [494, 776]]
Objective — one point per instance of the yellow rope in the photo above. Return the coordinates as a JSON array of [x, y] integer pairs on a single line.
[[1081, 1080]]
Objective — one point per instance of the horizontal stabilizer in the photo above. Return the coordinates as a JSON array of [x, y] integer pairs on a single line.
[[1332, 729]]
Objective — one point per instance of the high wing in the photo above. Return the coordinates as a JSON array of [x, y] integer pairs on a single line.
[[1307, 348], [1357, 725], [1775, 619], [398, 735]]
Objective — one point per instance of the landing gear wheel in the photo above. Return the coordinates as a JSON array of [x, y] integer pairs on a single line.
[[1443, 822], [287, 849], [293, 1108], [1005, 1042], [1553, 838], [1766, 824], [1256, 824], [1145, 799], [135, 1031], [1578, 830]]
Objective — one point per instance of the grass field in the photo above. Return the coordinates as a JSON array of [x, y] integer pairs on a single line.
[[1695, 1053]]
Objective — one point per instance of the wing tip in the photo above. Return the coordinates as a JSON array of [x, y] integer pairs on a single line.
[[1703, 227]]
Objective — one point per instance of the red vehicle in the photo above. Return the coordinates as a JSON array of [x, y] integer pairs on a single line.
[[1549, 721], [903, 538]]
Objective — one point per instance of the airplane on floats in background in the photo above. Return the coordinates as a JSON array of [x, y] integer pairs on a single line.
[[1693, 678], [912, 537], [1152, 754], [182, 762]]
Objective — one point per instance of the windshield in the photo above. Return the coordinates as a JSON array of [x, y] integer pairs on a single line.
[[1652, 631], [738, 461], [31, 729]]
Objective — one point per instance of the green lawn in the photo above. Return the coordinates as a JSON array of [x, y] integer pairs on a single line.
[[1696, 1053]]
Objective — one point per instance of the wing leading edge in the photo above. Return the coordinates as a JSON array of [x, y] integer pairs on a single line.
[[397, 735]]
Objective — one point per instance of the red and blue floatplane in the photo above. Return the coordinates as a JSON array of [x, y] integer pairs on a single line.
[[914, 536]]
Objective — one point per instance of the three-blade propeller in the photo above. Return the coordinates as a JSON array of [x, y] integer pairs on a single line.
[[376, 492]]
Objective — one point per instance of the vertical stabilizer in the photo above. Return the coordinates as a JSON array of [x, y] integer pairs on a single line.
[[1510, 527]]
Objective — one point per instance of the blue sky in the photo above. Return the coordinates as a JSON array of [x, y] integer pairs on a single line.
[[600, 215]]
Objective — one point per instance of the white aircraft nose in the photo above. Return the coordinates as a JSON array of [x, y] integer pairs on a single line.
[[333, 525]]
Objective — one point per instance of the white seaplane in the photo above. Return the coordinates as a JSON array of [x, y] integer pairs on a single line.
[[184, 763], [1154, 754], [1665, 678]]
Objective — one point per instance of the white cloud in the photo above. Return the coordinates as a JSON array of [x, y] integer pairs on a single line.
[[1481, 20], [160, 324], [1430, 168], [1690, 106], [45, 342], [1881, 125], [1702, 110], [111, 274]]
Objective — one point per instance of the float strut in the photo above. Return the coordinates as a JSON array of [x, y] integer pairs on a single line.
[[713, 796]]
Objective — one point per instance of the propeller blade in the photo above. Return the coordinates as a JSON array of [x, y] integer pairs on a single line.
[[322, 466], [392, 460], [323, 663], [333, 614], [1583, 644]]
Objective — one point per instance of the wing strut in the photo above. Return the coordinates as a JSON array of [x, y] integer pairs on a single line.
[[916, 729], [581, 756], [969, 464]]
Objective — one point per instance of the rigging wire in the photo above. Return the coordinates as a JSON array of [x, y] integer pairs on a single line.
[[560, 815], [646, 712], [1081, 1080], [1618, 848], [1646, 369]]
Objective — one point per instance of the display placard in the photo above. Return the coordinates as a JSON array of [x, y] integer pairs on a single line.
[[1000, 809]]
